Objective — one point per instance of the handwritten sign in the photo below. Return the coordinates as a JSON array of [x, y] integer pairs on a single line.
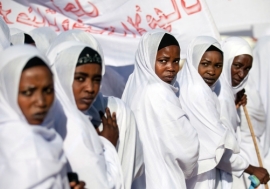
[[116, 25]]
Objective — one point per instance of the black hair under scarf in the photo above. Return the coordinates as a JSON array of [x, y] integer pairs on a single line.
[[28, 39], [213, 48], [167, 40], [35, 61], [89, 56]]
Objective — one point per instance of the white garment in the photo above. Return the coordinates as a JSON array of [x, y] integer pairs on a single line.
[[170, 143], [16, 36], [43, 37], [30, 156], [260, 75], [4, 35], [94, 158], [231, 47], [129, 145], [112, 84], [202, 106]]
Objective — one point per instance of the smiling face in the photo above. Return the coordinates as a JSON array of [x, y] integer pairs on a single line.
[[210, 66], [240, 68], [167, 63], [86, 84], [36, 93]]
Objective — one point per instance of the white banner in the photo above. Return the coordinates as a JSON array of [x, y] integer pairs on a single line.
[[117, 25], [237, 15]]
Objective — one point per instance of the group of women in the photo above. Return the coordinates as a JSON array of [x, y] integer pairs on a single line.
[[172, 128]]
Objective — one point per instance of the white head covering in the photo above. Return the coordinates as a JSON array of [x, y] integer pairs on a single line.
[[113, 84], [232, 47], [43, 37], [82, 145], [4, 35], [261, 77], [202, 106], [16, 36], [170, 143], [30, 156]]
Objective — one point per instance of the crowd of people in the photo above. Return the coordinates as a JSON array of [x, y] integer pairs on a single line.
[[175, 127]]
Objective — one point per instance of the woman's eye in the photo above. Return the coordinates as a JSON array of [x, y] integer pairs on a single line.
[[204, 64], [237, 65], [26, 93], [80, 79], [162, 61], [49, 90], [176, 61]]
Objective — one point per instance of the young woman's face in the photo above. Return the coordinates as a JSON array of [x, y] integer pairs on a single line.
[[240, 68], [210, 66], [86, 84], [36, 93], [167, 63]]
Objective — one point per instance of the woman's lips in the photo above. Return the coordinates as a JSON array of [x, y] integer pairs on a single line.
[[40, 115], [209, 80], [236, 81], [169, 78], [87, 101]]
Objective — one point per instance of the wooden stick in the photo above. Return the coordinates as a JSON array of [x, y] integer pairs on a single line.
[[254, 140]]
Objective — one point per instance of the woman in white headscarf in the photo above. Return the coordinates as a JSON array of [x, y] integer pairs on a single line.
[[197, 81], [237, 63], [129, 146], [31, 154], [19, 37], [4, 35], [43, 37], [93, 158], [170, 143]]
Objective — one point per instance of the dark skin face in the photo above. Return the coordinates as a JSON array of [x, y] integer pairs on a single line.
[[210, 66], [167, 63], [240, 67], [36, 93], [86, 84]]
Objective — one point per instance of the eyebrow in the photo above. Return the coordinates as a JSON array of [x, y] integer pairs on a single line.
[[81, 73]]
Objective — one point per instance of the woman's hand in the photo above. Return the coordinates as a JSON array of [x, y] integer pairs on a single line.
[[110, 128], [75, 185], [241, 99], [259, 172]]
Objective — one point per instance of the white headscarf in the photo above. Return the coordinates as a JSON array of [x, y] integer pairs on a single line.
[[202, 106], [113, 84], [226, 93], [30, 156], [4, 35], [261, 77], [16, 36], [170, 143], [83, 148], [43, 37]]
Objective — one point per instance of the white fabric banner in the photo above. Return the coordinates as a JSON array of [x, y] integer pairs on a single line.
[[118, 25], [237, 15]]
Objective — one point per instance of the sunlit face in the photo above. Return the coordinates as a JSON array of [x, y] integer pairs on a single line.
[[210, 66], [36, 93], [167, 63], [86, 84], [240, 68]]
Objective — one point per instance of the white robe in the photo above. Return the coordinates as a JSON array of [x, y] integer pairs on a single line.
[[129, 145], [94, 158], [31, 156], [170, 143], [232, 47], [202, 106], [16, 36], [43, 37]]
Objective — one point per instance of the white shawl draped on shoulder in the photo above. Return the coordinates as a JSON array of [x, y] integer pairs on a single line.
[[202, 106], [170, 143], [30, 156], [129, 145], [94, 158]]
